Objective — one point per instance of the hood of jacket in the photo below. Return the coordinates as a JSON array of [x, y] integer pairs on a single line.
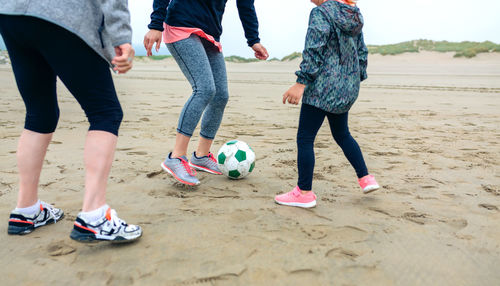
[[345, 17]]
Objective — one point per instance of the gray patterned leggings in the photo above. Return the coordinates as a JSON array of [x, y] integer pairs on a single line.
[[205, 69]]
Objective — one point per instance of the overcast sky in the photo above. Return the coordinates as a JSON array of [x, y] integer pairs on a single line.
[[283, 23]]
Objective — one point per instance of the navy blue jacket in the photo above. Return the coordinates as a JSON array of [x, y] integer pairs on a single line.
[[205, 15]]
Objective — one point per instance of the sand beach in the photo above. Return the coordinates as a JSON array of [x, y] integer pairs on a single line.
[[429, 127]]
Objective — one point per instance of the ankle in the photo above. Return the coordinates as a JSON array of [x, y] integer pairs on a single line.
[[21, 204], [200, 154], [94, 214], [30, 209], [177, 154]]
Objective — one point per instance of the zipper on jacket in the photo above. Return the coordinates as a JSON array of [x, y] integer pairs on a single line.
[[101, 28]]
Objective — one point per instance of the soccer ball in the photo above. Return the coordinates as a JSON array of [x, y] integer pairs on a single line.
[[236, 159]]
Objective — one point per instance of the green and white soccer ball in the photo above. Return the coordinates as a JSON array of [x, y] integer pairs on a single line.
[[236, 159]]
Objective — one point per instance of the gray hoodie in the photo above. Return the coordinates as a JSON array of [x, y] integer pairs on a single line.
[[102, 24]]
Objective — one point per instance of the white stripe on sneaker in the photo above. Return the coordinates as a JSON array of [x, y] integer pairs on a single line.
[[302, 205]]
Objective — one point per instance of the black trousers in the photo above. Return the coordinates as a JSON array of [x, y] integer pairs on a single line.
[[40, 52], [311, 119]]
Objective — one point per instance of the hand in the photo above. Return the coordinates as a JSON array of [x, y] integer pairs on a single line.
[[260, 51], [152, 37], [123, 59], [294, 94]]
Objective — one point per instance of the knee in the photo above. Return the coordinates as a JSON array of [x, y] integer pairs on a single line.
[[303, 140], [44, 122], [340, 136], [108, 120], [206, 91], [221, 96]]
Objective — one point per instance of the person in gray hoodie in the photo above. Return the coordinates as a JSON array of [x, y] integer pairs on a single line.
[[77, 41]]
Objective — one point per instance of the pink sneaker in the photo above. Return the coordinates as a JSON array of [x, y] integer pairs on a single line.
[[296, 199], [368, 184]]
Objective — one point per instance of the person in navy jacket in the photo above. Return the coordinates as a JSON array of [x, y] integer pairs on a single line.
[[192, 29]]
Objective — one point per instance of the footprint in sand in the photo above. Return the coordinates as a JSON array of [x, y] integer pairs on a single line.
[[137, 153], [488, 207], [154, 174], [418, 218], [313, 232], [322, 145], [379, 210], [241, 216], [459, 223], [494, 190], [339, 252], [305, 271], [62, 169], [59, 248], [163, 194]]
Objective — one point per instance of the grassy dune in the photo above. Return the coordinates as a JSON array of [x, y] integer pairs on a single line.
[[462, 49]]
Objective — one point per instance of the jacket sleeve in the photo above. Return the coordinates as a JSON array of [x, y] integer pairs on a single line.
[[248, 17], [117, 21], [316, 39], [363, 57], [159, 14]]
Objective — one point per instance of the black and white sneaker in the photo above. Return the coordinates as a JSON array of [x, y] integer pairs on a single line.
[[108, 228], [20, 223]]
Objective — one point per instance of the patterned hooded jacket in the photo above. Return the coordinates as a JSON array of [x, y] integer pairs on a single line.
[[335, 57]]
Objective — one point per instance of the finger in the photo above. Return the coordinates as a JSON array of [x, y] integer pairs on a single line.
[[123, 69], [158, 44], [146, 44], [259, 56], [122, 63], [125, 52], [266, 54], [149, 47], [285, 96]]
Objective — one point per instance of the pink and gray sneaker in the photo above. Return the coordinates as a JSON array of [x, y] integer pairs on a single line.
[[206, 164], [295, 198], [368, 184], [179, 168]]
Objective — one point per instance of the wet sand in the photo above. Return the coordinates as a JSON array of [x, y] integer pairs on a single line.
[[429, 127]]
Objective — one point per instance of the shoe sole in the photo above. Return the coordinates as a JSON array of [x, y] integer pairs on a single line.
[[167, 169], [20, 230], [204, 169], [300, 205], [89, 238], [370, 190]]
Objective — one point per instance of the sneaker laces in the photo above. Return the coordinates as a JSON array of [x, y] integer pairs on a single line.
[[114, 219], [212, 159], [188, 168], [51, 210]]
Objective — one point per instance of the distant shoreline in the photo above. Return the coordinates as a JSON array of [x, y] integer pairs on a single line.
[[461, 49]]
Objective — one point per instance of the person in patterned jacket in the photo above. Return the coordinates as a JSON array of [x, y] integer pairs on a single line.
[[333, 66]]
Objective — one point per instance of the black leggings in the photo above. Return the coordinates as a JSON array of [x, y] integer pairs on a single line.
[[41, 51], [311, 119]]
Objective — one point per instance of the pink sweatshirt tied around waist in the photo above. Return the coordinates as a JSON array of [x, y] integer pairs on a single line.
[[174, 34]]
